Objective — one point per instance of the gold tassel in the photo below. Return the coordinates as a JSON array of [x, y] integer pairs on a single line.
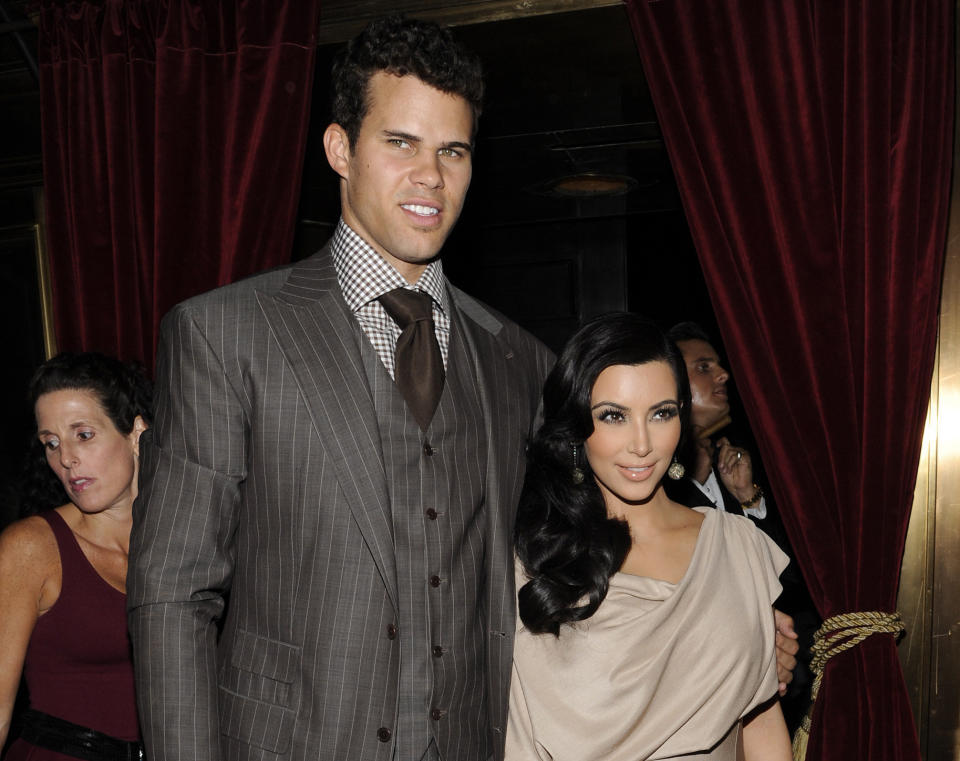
[[801, 736], [837, 634]]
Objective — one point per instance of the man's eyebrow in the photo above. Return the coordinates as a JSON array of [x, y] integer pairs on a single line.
[[458, 144], [403, 136]]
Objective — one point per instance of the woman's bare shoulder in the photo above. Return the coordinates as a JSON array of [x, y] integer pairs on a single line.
[[28, 543]]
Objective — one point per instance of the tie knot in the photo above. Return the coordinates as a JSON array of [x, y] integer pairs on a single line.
[[406, 307]]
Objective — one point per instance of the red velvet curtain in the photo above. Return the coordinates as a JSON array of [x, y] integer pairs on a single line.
[[811, 143], [173, 139]]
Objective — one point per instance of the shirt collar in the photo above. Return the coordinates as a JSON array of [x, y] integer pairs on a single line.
[[364, 275]]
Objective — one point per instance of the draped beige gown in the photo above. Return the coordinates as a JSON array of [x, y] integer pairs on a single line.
[[661, 670]]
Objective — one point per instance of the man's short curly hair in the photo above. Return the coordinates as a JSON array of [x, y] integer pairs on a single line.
[[401, 46]]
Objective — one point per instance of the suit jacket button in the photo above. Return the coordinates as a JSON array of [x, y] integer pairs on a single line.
[[436, 714], [428, 450], [431, 513], [384, 735], [437, 651], [434, 581], [391, 631]]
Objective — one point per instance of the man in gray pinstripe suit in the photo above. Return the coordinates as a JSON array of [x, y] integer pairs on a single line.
[[367, 557]]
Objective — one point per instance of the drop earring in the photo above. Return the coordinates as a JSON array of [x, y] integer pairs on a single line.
[[676, 470], [577, 472]]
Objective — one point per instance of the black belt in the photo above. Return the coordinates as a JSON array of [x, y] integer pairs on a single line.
[[46, 731]]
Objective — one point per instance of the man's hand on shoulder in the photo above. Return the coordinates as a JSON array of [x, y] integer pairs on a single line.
[[787, 648]]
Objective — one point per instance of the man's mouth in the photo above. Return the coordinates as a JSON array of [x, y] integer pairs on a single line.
[[424, 211]]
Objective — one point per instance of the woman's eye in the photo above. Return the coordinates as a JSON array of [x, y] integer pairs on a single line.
[[85, 435], [51, 445], [611, 416], [666, 413]]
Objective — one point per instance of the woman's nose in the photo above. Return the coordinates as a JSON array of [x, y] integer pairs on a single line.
[[68, 457], [641, 441]]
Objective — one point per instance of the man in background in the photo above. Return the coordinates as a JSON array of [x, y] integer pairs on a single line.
[[719, 471]]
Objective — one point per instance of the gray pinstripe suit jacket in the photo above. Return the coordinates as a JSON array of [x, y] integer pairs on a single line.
[[262, 478]]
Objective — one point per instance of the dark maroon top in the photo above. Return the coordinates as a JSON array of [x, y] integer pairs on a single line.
[[78, 663]]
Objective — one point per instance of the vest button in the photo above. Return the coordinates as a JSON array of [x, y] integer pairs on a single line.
[[384, 735], [436, 714], [391, 631], [437, 651], [431, 513], [434, 581], [428, 450]]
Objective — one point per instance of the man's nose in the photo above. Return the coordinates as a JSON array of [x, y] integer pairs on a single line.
[[428, 171]]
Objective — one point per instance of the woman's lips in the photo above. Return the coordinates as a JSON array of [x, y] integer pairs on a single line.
[[80, 484], [636, 473]]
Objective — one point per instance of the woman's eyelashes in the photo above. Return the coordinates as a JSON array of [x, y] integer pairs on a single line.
[[666, 412], [662, 412], [611, 415]]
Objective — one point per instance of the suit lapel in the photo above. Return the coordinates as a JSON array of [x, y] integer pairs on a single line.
[[313, 328]]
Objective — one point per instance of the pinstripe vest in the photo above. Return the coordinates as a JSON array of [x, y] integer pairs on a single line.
[[436, 482]]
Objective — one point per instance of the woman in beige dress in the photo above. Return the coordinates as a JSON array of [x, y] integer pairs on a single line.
[[646, 628]]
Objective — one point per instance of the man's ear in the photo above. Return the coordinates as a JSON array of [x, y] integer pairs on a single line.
[[336, 144]]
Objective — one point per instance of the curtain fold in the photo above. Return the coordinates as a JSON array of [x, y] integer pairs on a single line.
[[811, 141], [173, 140]]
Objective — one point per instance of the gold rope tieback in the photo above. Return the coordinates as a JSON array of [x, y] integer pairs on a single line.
[[839, 633]]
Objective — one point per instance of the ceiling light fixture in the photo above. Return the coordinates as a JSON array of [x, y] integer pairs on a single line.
[[588, 185]]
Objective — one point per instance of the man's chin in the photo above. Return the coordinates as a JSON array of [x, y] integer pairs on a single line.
[[714, 419], [420, 257]]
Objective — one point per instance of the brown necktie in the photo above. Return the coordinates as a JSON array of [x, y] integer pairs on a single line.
[[418, 365]]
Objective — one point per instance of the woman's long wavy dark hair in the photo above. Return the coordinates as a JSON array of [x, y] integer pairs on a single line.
[[123, 391], [568, 545]]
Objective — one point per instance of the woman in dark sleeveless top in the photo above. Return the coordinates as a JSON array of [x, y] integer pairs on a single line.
[[63, 572]]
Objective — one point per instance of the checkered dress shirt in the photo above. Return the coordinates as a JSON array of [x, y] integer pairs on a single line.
[[364, 276]]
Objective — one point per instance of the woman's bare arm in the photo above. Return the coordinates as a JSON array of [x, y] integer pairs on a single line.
[[765, 736], [29, 571]]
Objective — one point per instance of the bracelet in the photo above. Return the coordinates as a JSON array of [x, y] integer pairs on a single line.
[[757, 496]]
